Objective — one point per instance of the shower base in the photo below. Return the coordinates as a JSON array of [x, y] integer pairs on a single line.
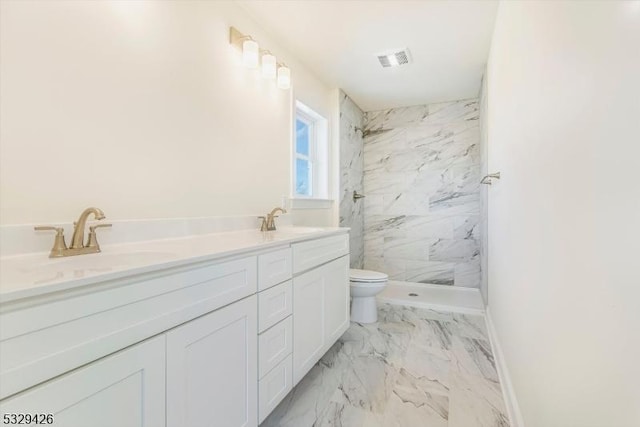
[[436, 297]]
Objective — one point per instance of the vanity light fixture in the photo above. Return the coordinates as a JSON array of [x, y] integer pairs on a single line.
[[253, 56], [268, 65], [284, 77], [250, 53]]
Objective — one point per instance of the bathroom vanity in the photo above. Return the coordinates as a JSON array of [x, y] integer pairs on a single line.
[[209, 330]]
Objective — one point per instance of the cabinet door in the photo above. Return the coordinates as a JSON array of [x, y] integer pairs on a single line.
[[336, 320], [212, 369], [124, 389], [320, 312]]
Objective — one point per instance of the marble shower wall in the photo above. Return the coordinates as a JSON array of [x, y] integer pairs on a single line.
[[421, 179], [351, 176], [484, 193]]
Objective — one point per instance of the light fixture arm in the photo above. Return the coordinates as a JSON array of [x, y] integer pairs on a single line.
[[236, 37]]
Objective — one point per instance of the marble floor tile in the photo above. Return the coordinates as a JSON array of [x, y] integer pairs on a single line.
[[368, 385], [414, 367], [474, 402], [430, 366], [412, 404], [344, 415], [470, 326], [473, 357]]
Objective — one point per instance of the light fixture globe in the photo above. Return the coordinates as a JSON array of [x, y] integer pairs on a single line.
[[284, 77], [268, 66], [250, 54]]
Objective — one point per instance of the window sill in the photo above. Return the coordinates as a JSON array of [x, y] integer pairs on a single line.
[[302, 203]]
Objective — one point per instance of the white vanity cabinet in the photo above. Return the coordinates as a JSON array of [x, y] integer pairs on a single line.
[[124, 389], [215, 343], [212, 368], [320, 299], [200, 325]]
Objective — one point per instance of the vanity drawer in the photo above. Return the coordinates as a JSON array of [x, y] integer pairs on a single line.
[[273, 268], [307, 255], [274, 305], [274, 345], [274, 387]]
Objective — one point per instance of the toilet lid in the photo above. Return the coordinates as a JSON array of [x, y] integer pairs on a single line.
[[366, 276]]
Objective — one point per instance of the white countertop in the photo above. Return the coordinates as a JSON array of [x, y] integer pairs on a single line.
[[25, 276]]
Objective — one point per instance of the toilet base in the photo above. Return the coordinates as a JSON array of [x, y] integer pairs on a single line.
[[364, 309]]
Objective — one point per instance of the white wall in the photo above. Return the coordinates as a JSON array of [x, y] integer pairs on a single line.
[[143, 109], [564, 130]]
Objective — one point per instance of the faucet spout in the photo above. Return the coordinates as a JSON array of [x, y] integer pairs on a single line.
[[271, 218], [77, 241], [273, 212]]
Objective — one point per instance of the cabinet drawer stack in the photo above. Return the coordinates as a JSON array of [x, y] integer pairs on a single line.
[[275, 329]]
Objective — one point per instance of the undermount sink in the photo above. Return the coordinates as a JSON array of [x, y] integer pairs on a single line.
[[83, 265], [299, 230]]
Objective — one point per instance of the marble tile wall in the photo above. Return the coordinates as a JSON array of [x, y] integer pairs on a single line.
[[484, 194], [421, 179], [351, 176]]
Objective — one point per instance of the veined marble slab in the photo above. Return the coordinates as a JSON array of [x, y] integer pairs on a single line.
[[352, 175], [421, 177], [415, 367]]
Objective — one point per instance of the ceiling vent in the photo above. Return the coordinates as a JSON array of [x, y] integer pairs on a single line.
[[394, 58]]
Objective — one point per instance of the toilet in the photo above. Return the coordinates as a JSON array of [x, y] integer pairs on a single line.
[[365, 285]]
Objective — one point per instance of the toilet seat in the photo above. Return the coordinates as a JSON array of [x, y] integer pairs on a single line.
[[367, 276]]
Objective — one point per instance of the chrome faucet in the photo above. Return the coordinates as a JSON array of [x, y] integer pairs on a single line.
[[268, 222], [77, 241]]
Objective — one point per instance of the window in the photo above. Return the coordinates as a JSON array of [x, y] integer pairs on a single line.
[[310, 159], [304, 164]]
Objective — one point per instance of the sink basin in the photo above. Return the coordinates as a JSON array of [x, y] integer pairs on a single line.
[[86, 265], [299, 230]]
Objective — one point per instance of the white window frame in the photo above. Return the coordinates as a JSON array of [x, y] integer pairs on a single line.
[[311, 157], [318, 159]]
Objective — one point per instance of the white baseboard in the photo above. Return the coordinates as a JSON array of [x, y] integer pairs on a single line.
[[513, 409]]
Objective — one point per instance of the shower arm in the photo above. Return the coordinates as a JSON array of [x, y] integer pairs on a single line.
[[487, 178]]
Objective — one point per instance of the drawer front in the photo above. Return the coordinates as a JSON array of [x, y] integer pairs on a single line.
[[307, 255], [274, 346], [274, 268], [274, 387], [274, 305], [85, 327]]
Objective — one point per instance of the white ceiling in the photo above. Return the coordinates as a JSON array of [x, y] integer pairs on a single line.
[[338, 40]]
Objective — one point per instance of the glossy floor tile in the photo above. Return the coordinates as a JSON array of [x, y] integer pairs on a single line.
[[415, 367]]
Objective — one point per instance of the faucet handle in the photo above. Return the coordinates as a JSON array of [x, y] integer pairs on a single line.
[[93, 227], [58, 230], [264, 226], [59, 245], [93, 238]]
